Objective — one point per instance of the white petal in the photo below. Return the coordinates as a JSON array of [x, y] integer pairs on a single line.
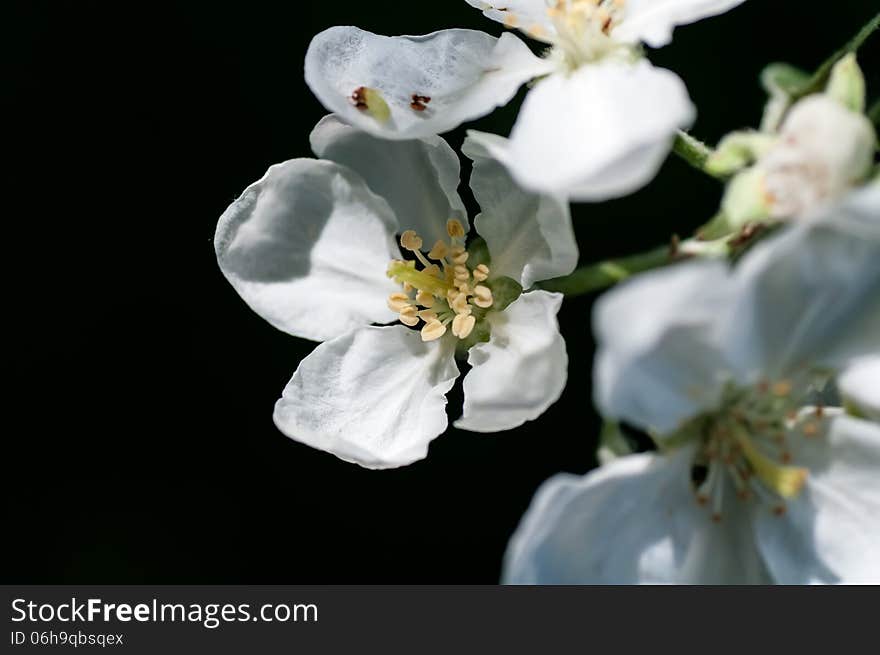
[[659, 360], [521, 370], [724, 551], [529, 235], [375, 396], [810, 295], [602, 131], [823, 150], [419, 178], [307, 248], [860, 385], [530, 16], [465, 73], [630, 521], [831, 532], [652, 21]]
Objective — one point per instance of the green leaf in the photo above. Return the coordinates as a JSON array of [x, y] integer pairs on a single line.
[[780, 77]]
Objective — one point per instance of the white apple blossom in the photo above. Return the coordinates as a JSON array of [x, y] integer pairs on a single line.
[[597, 124], [823, 151], [313, 248], [754, 481]]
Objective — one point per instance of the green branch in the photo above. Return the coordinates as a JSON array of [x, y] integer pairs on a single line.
[[817, 80], [693, 151], [602, 275]]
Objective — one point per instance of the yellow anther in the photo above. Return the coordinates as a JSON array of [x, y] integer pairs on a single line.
[[460, 304], [461, 258], [428, 315], [372, 102], [481, 272], [409, 316], [410, 240], [432, 270], [465, 288], [463, 325], [454, 228], [483, 296], [425, 299], [398, 301], [433, 330], [439, 250], [461, 273]]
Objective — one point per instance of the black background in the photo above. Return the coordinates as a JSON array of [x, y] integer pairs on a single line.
[[138, 443]]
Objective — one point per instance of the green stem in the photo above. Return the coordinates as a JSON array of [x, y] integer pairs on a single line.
[[602, 275], [818, 80], [693, 151]]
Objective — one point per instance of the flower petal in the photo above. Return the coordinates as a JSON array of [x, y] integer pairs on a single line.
[[375, 396], [465, 73], [811, 295], [307, 248], [419, 178], [659, 359], [860, 386], [831, 532], [652, 21], [622, 116], [633, 520], [630, 521], [530, 16], [529, 235], [525, 345]]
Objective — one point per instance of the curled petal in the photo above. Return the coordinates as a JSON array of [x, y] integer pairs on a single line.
[[422, 85], [601, 132]]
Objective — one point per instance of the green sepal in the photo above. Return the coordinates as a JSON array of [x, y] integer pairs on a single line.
[[504, 291], [478, 253], [717, 228], [745, 200], [481, 333], [847, 84], [738, 150], [612, 443]]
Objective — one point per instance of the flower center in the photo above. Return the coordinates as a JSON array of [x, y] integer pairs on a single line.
[[745, 446], [584, 28], [444, 291]]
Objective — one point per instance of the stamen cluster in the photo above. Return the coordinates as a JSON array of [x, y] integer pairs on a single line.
[[583, 28], [444, 291], [748, 441]]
